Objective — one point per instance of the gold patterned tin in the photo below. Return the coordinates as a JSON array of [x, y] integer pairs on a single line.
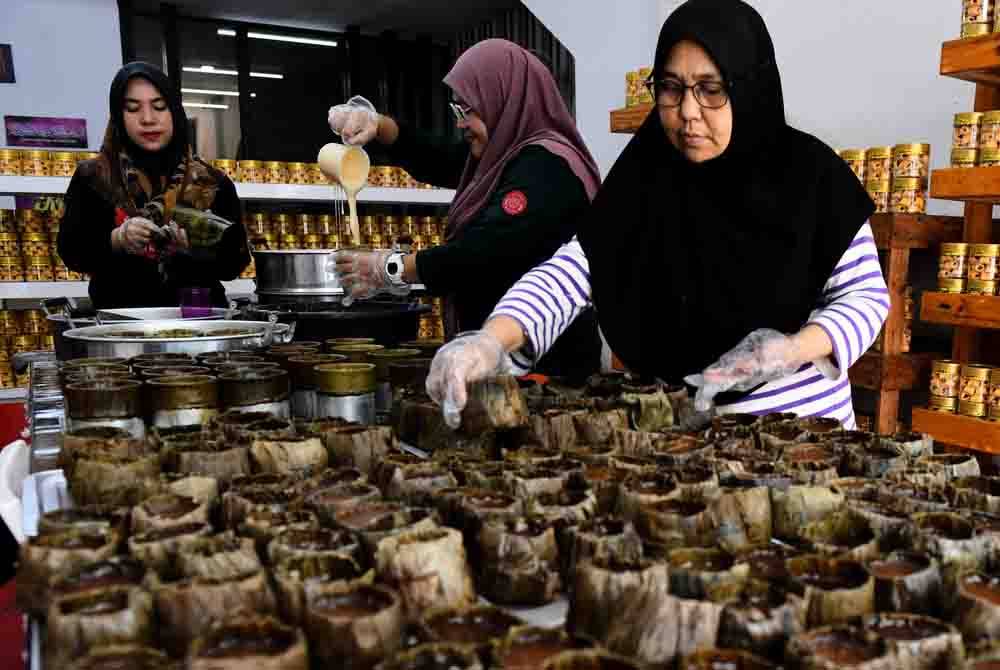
[[282, 224], [909, 196], [7, 224], [993, 398], [911, 160], [35, 244], [965, 133], [951, 286], [275, 172], [878, 191], [332, 241], [946, 405], [11, 268], [953, 260], [964, 158], [977, 287], [36, 164], [30, 221], [855, 159], [10, 162], [974, 384], [984, 262], [305, 224], [316, 176], [63, 163], [312, 242], [989, 131], [428, 226], [973, 409], [976, 29], [291, 242], [946, 376], [977, 11], [989, 157], [298, 173], [257, 224], [9, 245], [251, 172], [228, 167]]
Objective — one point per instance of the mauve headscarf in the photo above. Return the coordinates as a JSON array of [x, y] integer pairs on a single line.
[[517, 98]]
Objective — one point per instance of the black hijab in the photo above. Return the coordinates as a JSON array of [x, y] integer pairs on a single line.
[[155, 164], [700, 255]]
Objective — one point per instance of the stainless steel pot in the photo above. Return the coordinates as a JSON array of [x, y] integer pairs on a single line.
[[297, 275], [138, 337]]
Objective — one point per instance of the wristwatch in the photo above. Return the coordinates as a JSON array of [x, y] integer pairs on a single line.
[[394, 268]]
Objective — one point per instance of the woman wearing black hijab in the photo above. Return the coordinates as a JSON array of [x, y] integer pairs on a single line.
[[740, 247], [119, 223]]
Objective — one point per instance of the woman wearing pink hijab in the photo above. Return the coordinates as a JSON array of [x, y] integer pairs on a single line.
[[523, 177]]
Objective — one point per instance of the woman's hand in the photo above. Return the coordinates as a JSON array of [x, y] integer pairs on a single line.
[[763, 356], [362, 275], [177, 240], [469, 358], [356, 121], [134, 235]]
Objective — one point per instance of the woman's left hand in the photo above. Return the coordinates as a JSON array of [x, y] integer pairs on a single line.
[[362, 275], [763, 356], [177, 239]]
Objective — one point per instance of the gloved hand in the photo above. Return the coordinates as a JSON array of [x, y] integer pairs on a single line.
[[135, 235], [763, 356], [356, 121], [469, 358], [177, 240], [362, 275]]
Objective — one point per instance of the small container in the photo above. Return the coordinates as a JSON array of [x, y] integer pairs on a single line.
[[9, 244], [946, 405], [382, 360], [911, 160], [989, 131], [945, 378], [35, 244], [36, 164], [976, 29], [983, 263], [391, 228], [63, 163], [855, 159], [326, 224], [228, 167], [11, 268], [964, 158], [346, 391], [260, 390], [282, 224], [257, 224], [182, 400], [973, 409], [298, 173], [30, 221], [975, 381], [291, 242], [878, 191], [878, 164], [376, 241], [965, 134], [909, 196], [10, 162], [316, 176], [993, 398], [313, 242], [953, 261], [38, 268], [951, 286], [305, 224], [251, 172], [989, 157], [355, 353], [332, 241], [22, 343], [275, 172], [994, 414], [302, 370], [977, 11]]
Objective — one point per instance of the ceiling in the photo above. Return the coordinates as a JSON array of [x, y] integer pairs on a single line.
[[439, 18]]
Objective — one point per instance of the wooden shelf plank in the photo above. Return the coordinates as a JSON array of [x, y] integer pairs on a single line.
[[628, 119], [958, 430], [980, 184], [959, 309], [975, 59], [897, 372], [915, 231]]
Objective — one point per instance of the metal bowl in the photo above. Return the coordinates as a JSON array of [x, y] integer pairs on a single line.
[[142, 337]]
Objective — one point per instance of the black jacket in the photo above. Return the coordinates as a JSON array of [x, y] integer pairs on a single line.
[[125, 280], [502, 243]]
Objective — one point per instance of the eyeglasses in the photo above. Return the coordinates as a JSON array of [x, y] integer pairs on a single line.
[[671, 92], [461, 112]]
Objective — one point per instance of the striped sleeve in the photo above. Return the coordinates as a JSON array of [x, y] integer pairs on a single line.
[[546, 301], [855, 304]]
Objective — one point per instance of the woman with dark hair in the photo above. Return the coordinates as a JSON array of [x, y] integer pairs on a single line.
[[523, 177], [119, 226], [741, 259]]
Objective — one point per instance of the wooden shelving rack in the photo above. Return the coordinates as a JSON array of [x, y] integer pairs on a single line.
[[889, 372], [976, 60]]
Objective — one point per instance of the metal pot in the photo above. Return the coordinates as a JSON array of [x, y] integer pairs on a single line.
[[300, 274], [106, 403], [182, 400], [346, 391], [139, 337], [303, 374], [256, 391]]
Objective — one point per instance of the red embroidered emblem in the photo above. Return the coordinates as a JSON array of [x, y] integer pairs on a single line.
[[515, 203]]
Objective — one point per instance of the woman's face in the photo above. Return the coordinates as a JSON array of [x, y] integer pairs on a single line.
[[699, 133], [148, 120], [474, 130]]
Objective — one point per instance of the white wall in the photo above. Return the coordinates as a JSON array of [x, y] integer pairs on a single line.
[[65, 54], [856, 73]]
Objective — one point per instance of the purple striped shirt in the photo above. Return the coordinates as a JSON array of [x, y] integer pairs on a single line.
[[853, 307]]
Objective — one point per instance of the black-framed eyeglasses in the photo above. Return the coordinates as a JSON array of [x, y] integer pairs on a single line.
[[461, 112], [671, 92]]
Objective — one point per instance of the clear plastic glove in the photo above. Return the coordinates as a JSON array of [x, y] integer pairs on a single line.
[[763, 356], [356, 121], [469, 358], [135, 235], [362, 275], [177, 240]]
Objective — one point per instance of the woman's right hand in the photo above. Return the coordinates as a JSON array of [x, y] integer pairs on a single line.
[[134, 235], [356, 121], [469, 358]]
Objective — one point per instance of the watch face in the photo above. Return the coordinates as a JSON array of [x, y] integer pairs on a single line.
[[392, 267]]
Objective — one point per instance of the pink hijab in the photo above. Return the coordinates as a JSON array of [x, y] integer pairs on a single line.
[[517, 98]]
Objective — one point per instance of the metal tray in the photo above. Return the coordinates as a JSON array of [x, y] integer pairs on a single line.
[[160, 314], [103, 341]]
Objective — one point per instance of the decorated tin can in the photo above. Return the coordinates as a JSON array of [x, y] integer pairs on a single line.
[[984, 262], [251, 172], [275, 172], [946, 376], [909, 196], [10, 162], [953, 260], [878, 191], [36, 164], [298, 173], [911, 160], [63, 163], [855, 159], [965, 133], [228, 167], [964, 158], [878, 164]]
